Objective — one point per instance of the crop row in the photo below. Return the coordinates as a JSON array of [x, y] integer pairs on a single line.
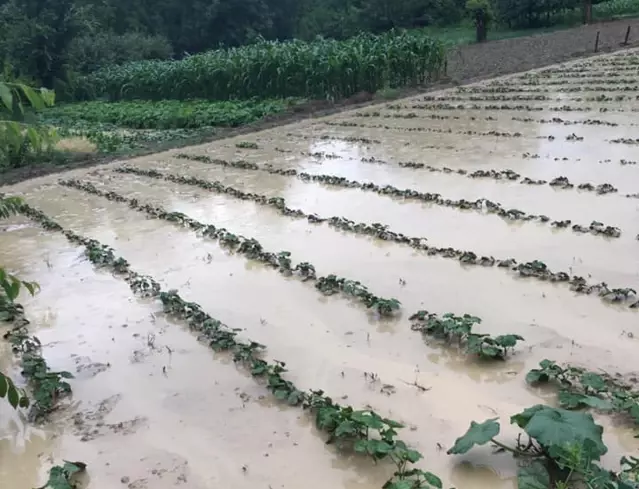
[[559, 120], [541, 76], [423, 129], [554, 120], [325, 137], [526, 83], [579, 388], [561, 89], [560, 182], [526, 108], [251, 248], [319, 69], [523, 98], [48, 387], [364, 431], [165, 114], [622, 162], [535, 269], [482, 206]]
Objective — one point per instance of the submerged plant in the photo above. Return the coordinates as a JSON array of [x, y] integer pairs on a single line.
[[458, 329]]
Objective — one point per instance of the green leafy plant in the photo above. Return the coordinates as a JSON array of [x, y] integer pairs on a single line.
[[580, 388], [65, 476], [21, 140], [562, 446], [458, 329]]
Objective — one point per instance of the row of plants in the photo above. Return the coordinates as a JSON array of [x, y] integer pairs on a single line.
[[320, 69], [524, 108], [580, 388], [362, 431], [48, 387], [166, 114], [534, 269], [248, 247], [524, 83], [327, 137], [560, 89], [523, 98], [483, 206], [457, 330], [424, 129], [622, 161], [559, 120]]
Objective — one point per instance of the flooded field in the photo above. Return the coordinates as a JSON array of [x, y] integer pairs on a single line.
[[514, 200]]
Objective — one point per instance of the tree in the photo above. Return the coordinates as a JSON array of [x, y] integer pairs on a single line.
[[481, 14]]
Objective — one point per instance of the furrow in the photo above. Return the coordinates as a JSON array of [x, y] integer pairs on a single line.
[[252, 249], [534, 269], [481, 206], [365, 427]]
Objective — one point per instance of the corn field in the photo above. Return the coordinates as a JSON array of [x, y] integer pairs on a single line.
[[320, 69]]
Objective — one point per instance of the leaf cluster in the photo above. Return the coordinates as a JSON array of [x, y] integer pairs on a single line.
[[580, 388], [458, 330]]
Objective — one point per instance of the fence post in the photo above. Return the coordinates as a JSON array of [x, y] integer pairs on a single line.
[[597, 42], [625, 41]]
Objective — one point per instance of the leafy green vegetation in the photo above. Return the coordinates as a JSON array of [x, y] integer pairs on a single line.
[[321, 69], [563, 447], [458, 330], [21, 140], [165, 114], [363, 431], [580, 388]]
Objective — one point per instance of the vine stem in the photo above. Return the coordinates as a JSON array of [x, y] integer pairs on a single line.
[[514, 450]]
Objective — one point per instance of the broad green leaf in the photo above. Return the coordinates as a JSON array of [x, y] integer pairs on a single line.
[[432, 479], [556, 428], [477, 434], [34, 98], [593, 381], [508, 340], [6, 96], [345, 428], [13, 396], [4, 385], [534, 476], [535, 376]]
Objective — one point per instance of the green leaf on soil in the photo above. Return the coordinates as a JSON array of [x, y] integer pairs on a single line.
[[477, 434]]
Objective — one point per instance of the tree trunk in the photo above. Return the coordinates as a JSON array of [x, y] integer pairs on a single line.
[[480, 24], [587, 11]]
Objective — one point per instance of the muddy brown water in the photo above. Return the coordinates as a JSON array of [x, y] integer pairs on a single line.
[[152, 407]]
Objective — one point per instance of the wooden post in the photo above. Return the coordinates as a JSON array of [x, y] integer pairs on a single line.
[[625, 41], [597, 43]]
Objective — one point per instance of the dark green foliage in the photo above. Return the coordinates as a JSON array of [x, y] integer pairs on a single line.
[[458, 329], [321, 69], [64, 477], [580, 388], [563, 446], [166, 114]]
